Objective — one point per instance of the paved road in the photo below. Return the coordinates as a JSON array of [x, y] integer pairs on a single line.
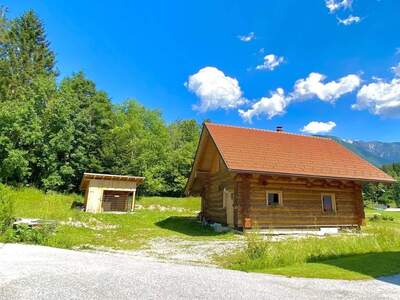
[[34, 272]]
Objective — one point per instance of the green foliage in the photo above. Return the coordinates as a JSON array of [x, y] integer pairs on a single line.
[[25, 234], [6, 209], [51, 133], [385, 194]]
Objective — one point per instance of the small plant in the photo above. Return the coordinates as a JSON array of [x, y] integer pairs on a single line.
[[378, 217], [6, 210], [375, 218], [31, 235], [387, 218]]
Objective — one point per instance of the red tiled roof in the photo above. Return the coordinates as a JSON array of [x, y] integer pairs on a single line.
[[255, 150]]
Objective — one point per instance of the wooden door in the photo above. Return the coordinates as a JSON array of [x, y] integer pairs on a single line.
[[228, 200], [115, 201]]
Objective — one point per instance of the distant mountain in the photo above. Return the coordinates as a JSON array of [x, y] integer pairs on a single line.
[[378, 153]]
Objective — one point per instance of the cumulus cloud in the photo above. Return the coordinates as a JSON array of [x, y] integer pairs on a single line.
[[396, 70], [271, 61], [315, 127], [269, 106], [334, 5], [380, 98], [349, 20], [313, 86], [247, 37], [214, 89]]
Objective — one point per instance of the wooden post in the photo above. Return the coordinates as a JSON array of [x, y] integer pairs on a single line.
[[133, 201], [359, 205], [244, 199]]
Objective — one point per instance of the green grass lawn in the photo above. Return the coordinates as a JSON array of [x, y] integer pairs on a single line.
[[374, 253], [157, 217]]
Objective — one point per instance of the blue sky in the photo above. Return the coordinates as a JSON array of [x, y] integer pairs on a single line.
[[334, 62]]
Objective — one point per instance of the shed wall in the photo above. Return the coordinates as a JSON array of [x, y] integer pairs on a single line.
[[96, 187]]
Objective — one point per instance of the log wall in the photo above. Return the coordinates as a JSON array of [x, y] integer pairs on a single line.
[[302, 204], [212, 196]]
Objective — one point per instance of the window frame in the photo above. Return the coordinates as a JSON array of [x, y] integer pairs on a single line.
[[280, 198], [333, 197]]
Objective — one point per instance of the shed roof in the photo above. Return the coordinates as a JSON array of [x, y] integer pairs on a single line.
[[89, 176], [263, 151]]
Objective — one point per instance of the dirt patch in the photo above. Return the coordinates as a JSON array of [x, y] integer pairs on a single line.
[[92, 223], [185, 251], [161, 208]]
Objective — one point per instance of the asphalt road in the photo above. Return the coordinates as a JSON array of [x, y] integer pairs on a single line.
[[35, 272]]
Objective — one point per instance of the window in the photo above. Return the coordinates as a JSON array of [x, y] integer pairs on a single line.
[[274, 198], [328, 203]]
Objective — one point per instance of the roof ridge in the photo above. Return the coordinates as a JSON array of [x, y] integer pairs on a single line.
[[271, 131]]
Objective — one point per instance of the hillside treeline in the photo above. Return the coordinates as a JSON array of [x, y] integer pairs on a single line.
[[51, 130], [384, 193]]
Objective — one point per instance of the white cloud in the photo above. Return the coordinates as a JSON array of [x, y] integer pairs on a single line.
[[315, 127], [303, 89], [271, 61], [380, 98], [396, 70], [271, 107], [334, 5], [215, 90], [349, 20], [313, 86], [247, 37]]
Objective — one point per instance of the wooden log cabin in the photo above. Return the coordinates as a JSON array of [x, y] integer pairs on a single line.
[[251, 178]]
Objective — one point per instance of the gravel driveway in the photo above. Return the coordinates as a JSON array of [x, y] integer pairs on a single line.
[[35, 272]]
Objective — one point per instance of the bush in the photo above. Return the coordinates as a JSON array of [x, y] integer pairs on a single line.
[[378, 217], [26, 234], [6, 210], [375, 218]]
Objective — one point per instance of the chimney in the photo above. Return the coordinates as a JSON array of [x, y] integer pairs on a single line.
[[279, 129]]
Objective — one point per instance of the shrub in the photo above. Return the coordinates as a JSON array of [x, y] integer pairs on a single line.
[[26, 234], [387, 218], [6, 210], [375, 218], [378, 217]]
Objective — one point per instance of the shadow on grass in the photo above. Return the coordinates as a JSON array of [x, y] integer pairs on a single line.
[[372, 264], [187, 225]]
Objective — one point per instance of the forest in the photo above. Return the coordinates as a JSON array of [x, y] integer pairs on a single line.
[[52, 130]]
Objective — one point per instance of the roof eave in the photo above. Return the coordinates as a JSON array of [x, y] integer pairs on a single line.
[[377, 180]]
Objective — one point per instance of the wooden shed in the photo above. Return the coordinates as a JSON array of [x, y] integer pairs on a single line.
[[109, 193], [273, 179]]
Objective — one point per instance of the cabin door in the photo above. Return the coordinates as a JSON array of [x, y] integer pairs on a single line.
[[228, 201]]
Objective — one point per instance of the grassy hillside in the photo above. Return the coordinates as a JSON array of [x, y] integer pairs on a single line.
[[154, 217], [373, 253]]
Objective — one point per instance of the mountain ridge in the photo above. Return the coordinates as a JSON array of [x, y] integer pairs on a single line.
[[376, 152]]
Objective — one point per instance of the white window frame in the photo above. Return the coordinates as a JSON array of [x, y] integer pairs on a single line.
[[280, 198], [333, 197]]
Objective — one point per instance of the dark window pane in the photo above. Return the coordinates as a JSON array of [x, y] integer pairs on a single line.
[[327, 203], [273, 198]]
